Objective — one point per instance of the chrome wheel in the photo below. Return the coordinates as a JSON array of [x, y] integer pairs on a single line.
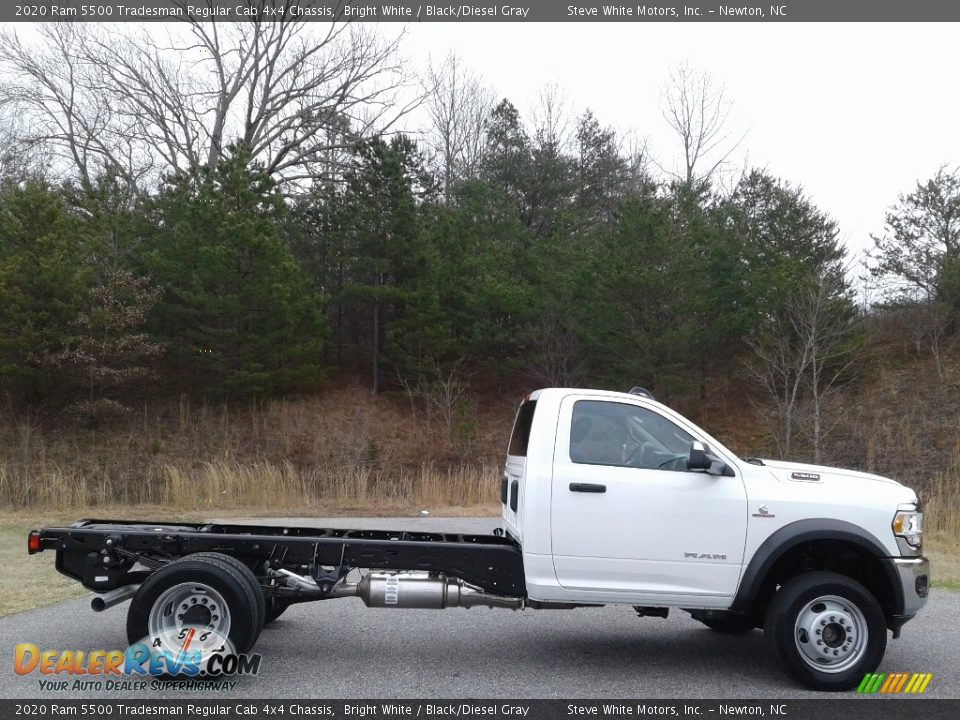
[[187, 607], [831, 634]]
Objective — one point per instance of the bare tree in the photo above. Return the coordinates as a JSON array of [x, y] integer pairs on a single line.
[[16, 161], [457, 104], [826, 319], [51, 90], [441, 388], [552, 119], [804, 357], [639, 179], [697, 109], [778, 367], [291, 91]]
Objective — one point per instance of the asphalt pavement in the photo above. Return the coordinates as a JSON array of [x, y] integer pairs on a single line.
[[341, 649]]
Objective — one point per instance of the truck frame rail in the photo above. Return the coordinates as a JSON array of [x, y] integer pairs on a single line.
[[108, 554]]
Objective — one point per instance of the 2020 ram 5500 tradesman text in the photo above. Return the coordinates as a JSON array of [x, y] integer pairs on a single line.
[[607, 498]]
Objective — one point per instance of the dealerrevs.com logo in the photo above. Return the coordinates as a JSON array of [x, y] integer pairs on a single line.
[[205, 663]]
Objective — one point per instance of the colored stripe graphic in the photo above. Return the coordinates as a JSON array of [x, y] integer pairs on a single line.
[[894, 683], [901, 682], [891, 679], [867, 679]]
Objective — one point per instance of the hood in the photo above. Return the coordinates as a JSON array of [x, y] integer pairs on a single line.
[[798, 472]]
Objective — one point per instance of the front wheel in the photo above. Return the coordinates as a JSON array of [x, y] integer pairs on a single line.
[[827, 630]]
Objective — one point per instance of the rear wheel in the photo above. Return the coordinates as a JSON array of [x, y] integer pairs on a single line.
[[248, 576], [191, 604], [827, 630]]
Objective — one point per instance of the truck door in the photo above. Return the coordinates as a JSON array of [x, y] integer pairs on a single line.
[[627, 515]]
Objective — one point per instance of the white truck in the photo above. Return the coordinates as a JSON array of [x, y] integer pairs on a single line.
[[608, 498]]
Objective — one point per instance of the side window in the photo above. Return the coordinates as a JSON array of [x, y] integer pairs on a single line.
[[520, 437], [610, 433]]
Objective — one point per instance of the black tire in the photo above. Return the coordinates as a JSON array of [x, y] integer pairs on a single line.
[[839, 610], [224, 578], [248, 575], [725, 622], [275, 608]]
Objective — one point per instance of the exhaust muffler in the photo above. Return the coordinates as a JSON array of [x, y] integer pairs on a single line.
[[407, 589], [428, 591]]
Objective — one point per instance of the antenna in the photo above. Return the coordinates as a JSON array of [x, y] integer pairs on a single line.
[[642, 392]]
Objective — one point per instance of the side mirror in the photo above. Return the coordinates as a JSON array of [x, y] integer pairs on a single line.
[[702, 459], [698, 459]]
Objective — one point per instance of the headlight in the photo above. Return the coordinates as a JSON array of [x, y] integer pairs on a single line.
[[908, 525]]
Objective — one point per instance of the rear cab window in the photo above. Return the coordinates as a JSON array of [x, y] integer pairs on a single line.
[[520, 438]]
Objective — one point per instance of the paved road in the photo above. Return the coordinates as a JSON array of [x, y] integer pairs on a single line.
[[341, 649]]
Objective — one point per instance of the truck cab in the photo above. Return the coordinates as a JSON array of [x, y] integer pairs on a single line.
[[616, 498]]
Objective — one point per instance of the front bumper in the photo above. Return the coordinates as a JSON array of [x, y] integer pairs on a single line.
[[914, 576]]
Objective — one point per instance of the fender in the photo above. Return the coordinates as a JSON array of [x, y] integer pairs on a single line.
[[801, 531]]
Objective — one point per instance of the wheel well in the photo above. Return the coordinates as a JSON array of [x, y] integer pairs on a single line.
[[839, 556]]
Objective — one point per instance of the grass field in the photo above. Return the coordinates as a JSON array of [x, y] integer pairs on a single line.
[[944, 558], [30, 581]]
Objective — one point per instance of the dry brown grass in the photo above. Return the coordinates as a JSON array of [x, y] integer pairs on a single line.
[[221, 484], [342, 448], [27, 581], [944, 556], [941, 510], [346, 451]]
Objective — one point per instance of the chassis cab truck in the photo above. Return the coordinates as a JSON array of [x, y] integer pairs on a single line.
[[607, 498]]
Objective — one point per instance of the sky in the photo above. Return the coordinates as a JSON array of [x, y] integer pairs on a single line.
[[855, 113]]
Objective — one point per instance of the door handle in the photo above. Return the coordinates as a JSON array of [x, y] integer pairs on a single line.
[[588, 487]]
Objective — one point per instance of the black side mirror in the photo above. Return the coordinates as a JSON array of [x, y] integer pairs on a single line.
[[698, 459], [702, 459]]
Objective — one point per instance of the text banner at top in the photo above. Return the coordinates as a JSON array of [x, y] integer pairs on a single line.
[[478, 11]]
